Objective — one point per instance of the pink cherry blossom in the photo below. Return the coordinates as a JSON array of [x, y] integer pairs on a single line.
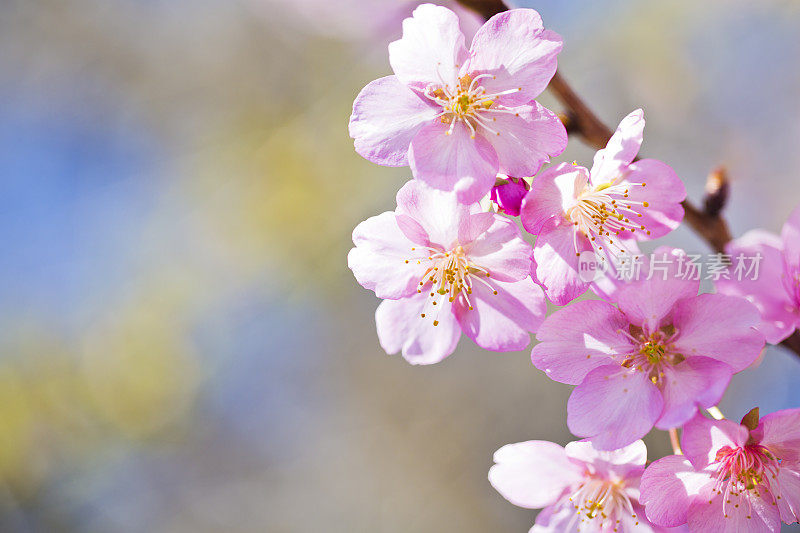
[[733, 478], [508, 195], [775, 290], [458, 116], [651, 360], [579, 487], [572, 209], [444, 267]]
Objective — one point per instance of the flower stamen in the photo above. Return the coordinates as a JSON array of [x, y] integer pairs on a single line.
[[651, 352], [469, 103], [602, 500], [451, 274], [743, 470], [606, 211]]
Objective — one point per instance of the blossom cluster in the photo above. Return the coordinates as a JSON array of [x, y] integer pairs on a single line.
[[650, 351]]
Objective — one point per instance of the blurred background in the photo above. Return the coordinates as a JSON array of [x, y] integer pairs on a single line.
[[182, 346]]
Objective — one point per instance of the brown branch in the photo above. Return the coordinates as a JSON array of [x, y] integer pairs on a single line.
[[707, 222], [580, 118], [485, 8], [717, 190], [793, 342]]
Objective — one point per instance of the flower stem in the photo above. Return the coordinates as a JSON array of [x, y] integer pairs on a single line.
[[716, 413], [676, 444]]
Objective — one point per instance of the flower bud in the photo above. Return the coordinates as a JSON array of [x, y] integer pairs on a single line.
[[508, 194]]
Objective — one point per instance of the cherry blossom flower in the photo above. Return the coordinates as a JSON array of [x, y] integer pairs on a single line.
[[444, 267], [571, 209], [775, 287], [652, 360], [733, 477], [459, 117], [579, 487], [508, 195]]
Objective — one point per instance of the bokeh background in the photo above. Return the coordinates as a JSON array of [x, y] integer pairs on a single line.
[[182, 347]]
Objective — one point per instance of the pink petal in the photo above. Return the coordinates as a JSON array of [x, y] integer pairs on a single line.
[[578, 338], [789, 503], [627, 462], [620, 150], [439, 213], [526, 139], [379, 259], [697, 381], [386, 117], [401, 328], [613, 407], [607, 285], [647, 303], [555, 519], [514, 47], [502, 251], [533, 474], [413, 230], [431, 49], [475, 226], [668, 488], [791, 256], [638, 522], [662, 190], [556, 261], [718, 326], [746, 513], [702, 437], [791, 239], [454, 162], [766, 291], [502, 322], [780, 432], [551, 193]]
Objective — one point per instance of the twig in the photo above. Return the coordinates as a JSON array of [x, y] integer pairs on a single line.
[[485, 8], [717, 190], [707, 223], [578, 119], [793, 342]]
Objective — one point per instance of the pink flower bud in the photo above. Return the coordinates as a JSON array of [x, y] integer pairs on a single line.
[[508, 196]]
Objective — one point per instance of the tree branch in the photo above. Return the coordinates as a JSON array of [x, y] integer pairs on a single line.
[[707, 222], [485, 8], [793, 342], [580, 118]]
